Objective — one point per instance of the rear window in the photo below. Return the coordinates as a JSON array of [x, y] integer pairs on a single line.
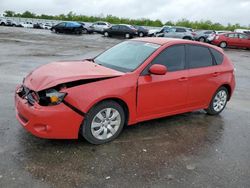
[[199, 56], [217, 56]]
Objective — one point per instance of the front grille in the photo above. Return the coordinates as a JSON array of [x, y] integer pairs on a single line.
[[26, 93]]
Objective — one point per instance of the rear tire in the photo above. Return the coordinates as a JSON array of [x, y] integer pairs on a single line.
[[223, 44], [218, 102], [103, 123], [127, 36]]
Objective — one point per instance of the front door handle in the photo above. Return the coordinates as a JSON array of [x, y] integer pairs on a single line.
[[182, 79]]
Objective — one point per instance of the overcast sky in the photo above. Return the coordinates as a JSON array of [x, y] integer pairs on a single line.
[[222, 11]]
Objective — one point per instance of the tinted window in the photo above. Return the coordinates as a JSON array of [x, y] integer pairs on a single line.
[[208, 32], [199, 57], [180, 30], [61, 24], [115, 27], [217, 56], [173, 58]]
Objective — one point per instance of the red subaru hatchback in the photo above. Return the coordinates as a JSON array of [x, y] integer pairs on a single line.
[[239, 40], [134, 81]]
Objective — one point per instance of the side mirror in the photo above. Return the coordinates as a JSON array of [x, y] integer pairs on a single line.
[[158, 69]]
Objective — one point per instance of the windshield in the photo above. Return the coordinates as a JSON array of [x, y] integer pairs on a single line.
[[126, 56]]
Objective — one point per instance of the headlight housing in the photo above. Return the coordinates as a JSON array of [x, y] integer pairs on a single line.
[[51, 97]]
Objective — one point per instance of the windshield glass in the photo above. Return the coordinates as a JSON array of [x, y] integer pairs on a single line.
[[126, 56]]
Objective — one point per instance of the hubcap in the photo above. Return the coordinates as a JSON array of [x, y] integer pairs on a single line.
[[106, 34], [223, 44], [127, 36], [220, 100], [105, 123], [141, 34]]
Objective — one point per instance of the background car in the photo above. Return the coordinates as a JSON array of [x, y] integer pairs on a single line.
[[142, 31], [68, 27], [27, 24], [178, 32], [127, 31], [233, 39], [100, 26], [203, 35], [154, 32], [86, 28]]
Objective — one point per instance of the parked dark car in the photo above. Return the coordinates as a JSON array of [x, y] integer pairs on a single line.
[[37, 26], [203, 35], [68, 27], [142, 31], [128, 31], [86, 29]]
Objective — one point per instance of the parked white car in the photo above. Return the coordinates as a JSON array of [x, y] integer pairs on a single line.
[[27, 24], [46, 25], [99, 27], [242, 31]]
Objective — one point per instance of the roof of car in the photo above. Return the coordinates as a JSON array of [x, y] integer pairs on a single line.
[[163, 41]]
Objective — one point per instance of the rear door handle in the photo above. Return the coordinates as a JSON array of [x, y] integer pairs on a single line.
[[182, 79]]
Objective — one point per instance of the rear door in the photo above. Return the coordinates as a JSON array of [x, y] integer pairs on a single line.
[[115, 30], [244, 40], [202, 76], [164, 94], [232, 39]]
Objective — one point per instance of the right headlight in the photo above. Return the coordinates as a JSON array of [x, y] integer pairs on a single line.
[[51, 97]]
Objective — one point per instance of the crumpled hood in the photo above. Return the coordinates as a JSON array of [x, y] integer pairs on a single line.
[[56, 73]]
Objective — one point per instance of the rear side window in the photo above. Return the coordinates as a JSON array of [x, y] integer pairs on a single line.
[[173, 58], [180, 30], [199, 56], [217, 56]]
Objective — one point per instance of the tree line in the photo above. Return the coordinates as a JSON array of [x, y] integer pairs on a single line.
[[71, 16]]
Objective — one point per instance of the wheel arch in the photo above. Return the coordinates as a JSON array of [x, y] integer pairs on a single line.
[[118, 100], [229, 89]]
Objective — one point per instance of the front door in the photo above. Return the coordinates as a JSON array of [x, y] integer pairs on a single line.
[[164, 94]]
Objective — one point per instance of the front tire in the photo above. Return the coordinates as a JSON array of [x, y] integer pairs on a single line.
[[218, 102], [106, 34], [141, 34], [202, 39], [103, 123]]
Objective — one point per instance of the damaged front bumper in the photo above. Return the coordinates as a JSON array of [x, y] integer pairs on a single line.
[[52, 122]]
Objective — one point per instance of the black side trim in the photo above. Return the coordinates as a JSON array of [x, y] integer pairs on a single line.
[[85, 81], [74, 108]]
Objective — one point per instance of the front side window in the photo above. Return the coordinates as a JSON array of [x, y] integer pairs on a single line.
[[173, 58], [233, 35], [126, 56], [199, 56]]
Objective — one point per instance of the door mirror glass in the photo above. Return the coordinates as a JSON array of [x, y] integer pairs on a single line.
[[158, 69]]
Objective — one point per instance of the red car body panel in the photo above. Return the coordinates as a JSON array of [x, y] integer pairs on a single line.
[[145, 96], [232, 42]]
